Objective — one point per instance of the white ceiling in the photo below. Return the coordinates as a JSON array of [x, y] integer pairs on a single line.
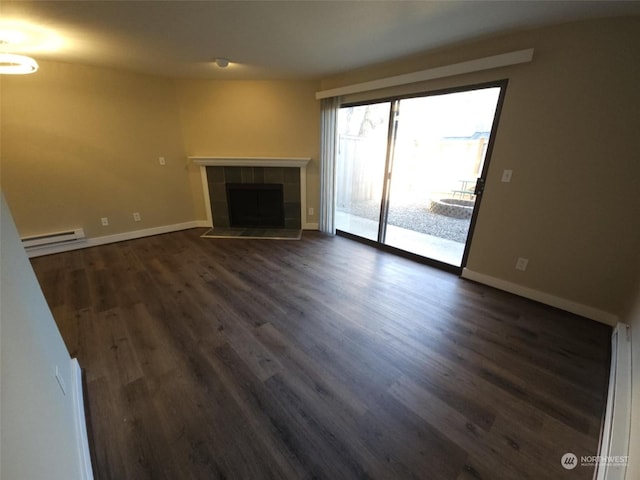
[[270, 39]]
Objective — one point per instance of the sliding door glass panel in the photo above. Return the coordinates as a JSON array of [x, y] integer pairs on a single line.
[[362, 146], [440, 146]]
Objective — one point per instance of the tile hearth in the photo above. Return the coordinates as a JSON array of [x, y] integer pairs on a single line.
[[254, 233]]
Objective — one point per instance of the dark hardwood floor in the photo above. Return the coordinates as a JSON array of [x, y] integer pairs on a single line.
[[319, 358]]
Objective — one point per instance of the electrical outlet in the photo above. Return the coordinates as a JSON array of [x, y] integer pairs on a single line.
[[136, 217], [162, 161], [522, 263], [311, 210], [506, 176], [105, 221]]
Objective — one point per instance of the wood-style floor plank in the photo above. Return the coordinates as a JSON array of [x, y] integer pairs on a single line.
[[319, 358]]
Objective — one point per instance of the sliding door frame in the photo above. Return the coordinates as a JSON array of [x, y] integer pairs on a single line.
[[394, 102], [388, 170], [485, 169]]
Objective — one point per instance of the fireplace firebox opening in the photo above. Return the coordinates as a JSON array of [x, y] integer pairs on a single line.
[[256, 205]]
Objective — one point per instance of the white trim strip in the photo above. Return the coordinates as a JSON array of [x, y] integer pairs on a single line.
[[542, 297], [486, 63], [86, 471], [207, 195], [617, 418], [251, 161]]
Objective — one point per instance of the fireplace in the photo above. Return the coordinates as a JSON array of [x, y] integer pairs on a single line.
[[255, 205], [270, 197], [288, 172]]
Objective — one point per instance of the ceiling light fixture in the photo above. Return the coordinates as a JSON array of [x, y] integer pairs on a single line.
[[12, 64], [222, 62]]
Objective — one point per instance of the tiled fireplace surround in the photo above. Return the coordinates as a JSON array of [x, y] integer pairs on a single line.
[[289, 172], [288, 177]]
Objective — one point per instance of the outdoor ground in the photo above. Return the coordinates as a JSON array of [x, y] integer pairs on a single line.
[[416, 217]]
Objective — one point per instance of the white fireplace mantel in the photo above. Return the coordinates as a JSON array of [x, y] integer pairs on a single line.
[[300, 162], [295, 162]]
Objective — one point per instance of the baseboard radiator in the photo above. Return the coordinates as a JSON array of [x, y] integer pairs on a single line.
[[50, 239], [614, 441]]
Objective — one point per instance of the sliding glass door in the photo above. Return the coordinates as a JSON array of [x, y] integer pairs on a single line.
[[361, 162], [410, 170]]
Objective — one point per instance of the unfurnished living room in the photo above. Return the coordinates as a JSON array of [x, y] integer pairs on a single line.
[[319, 239]]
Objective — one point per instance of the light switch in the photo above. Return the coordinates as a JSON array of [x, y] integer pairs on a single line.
[[506, 176]]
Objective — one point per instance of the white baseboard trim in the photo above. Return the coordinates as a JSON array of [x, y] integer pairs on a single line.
[[542, 297], [118, 237], [121, 237], [86, 470]]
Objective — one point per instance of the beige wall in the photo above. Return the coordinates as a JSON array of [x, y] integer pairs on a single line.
[[80, 143], [252, 119], [569, 130]]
